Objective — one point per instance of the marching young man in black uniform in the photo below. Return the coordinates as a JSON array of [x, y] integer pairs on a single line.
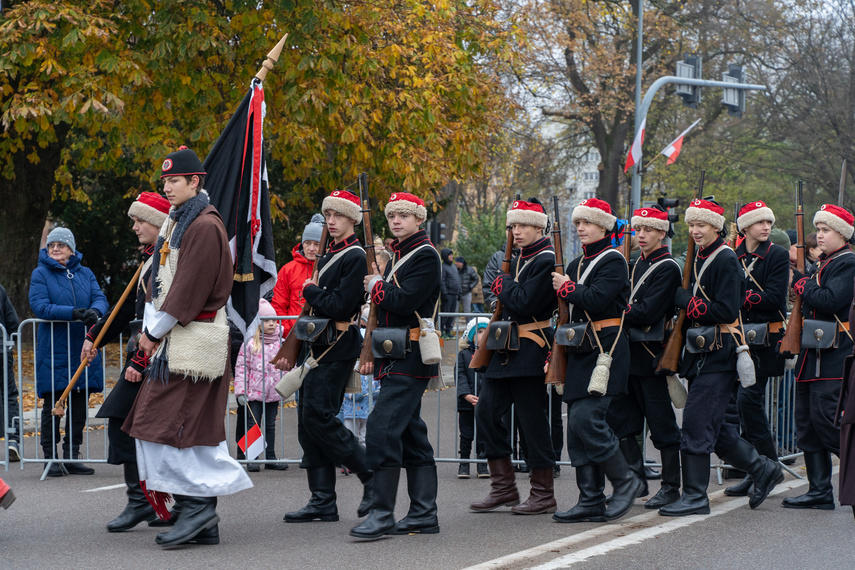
[[596, 286], [515, 374], [710, 420], [654, 280], [335, 298], [396, 436], [766, 269], [148, 213], [826, 297]]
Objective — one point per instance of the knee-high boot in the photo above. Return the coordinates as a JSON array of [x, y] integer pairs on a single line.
[[765, 447], [198, 514], [421, 518], [626, 485], [381, 519], [356, 463], [764, 472], [322, 505], [820, 493], [542, 497], [591, 506], [138, 508], [670, 489], [503, 487], [696, 480], [632, 453]]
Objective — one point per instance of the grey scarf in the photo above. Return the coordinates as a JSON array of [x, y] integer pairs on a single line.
[[183, 216]]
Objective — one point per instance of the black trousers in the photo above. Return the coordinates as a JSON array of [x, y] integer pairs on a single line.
[[710, 418], [752, 414], [266, 410], [123, 448], [322, 435], [466, 424], [646, 397], [10, 393], [75, 421], [449, 305], [590, 439], [816, 405], [556, 422], [528, 395], [395, 434]]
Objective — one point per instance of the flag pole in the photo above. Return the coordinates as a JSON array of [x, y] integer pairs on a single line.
[[272, 58], [652, 161]]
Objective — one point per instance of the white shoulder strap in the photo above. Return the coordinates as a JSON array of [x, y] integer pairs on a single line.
[[523, 268], [707, 263], [595, 261], [397, 266], [647, 274], [336, 257]]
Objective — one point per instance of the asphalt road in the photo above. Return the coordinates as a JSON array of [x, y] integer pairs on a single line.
[[60, 523]]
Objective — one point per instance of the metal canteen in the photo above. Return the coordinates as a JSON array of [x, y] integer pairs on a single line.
[[387, 346]]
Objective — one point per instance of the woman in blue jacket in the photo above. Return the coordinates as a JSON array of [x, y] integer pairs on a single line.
[[61, 289]]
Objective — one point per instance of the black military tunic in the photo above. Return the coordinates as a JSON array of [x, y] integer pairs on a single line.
[[118, 402], [396, 416], [827, 293], [517, 377], [337, 296]]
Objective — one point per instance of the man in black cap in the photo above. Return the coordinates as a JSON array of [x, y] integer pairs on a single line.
[[177, 417]]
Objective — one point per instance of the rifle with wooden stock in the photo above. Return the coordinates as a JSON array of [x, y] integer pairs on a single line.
[[367, 355], [290, 349], [482, 356], [557, 370], [670, 361], [791, 344]]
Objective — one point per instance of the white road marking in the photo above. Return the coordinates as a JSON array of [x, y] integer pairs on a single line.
[[107, 488], [625, 526]]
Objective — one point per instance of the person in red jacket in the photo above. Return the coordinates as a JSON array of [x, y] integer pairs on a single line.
[[288, 292]]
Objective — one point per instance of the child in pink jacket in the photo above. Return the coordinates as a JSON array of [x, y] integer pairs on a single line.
[[255, 379]]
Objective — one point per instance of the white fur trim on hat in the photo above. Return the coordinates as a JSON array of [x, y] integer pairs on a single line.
[[750, 218], [704, 215], [147, 214], [654, 223], [343, 206], [528, 218], [595, 216], [834, 222], [406, 207]]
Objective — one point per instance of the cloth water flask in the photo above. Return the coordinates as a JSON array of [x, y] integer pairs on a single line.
[[293, 379], [745, 367], [599, 383], [677, 391], [429, 342]]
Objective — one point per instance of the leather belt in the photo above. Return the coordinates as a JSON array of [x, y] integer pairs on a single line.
[[605, 323], [416, 332], [843, 326], [527, 331], [342, 325], [776, 327], [732, 328]]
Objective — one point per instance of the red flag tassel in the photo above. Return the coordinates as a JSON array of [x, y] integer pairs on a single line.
[[159, 502]]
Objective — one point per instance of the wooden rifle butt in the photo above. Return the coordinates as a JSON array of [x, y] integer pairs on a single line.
[[670, 361], [482, 356], [557, 370], [367, 355], [791, 344], [290, 348]]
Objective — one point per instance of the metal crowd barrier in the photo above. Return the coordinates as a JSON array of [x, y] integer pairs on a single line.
[[7, 428]]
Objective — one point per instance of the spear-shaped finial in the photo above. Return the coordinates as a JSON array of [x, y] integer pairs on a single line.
[[272, 58]]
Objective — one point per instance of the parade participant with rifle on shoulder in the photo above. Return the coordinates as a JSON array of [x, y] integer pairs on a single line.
[[654, 279], [826, 296], [596, 287], [331, 343], [766, 270], [520, 337], [712, 365], [404, 342]]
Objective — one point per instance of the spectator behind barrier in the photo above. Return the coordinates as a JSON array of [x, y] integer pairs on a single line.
[[62, 289], [288, 292]]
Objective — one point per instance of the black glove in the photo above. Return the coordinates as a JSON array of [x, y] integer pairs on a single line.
[[682, 298], [88, 316]]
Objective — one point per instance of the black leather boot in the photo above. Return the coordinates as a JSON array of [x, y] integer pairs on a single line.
[[764, 472], [765, 447], [670, 489], [381, 519], [696, 480], [625, 483], [138, 508], [322, 505], [197, 515], [820, 493], [591, 506], [367, 478], [55, 469], [632, 453], [421, 487], [75, 468], [173, 517]]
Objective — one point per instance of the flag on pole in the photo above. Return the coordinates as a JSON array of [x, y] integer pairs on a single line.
[[252, 444], [634, 156], [672, 151], [237, 184]]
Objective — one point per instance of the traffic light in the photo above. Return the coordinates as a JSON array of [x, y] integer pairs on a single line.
[[436, 232], [667, 204], [689, 68], [734, 99]]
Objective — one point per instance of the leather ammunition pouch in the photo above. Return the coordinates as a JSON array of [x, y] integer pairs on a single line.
[[390, 342], [576, 337], [819, 334], [703, 339], [651, 333], [503, 335], [756, 334]]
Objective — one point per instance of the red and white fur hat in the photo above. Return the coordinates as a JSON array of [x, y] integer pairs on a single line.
[[527, 212], [706, 212], [752, 213], [837, 218], [150, 207], [650, 218], [345, 203], [406, 203], [595, 211]]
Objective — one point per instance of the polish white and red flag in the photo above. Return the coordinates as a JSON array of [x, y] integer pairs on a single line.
[[252, 444], [672, 151], [634, 156]]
